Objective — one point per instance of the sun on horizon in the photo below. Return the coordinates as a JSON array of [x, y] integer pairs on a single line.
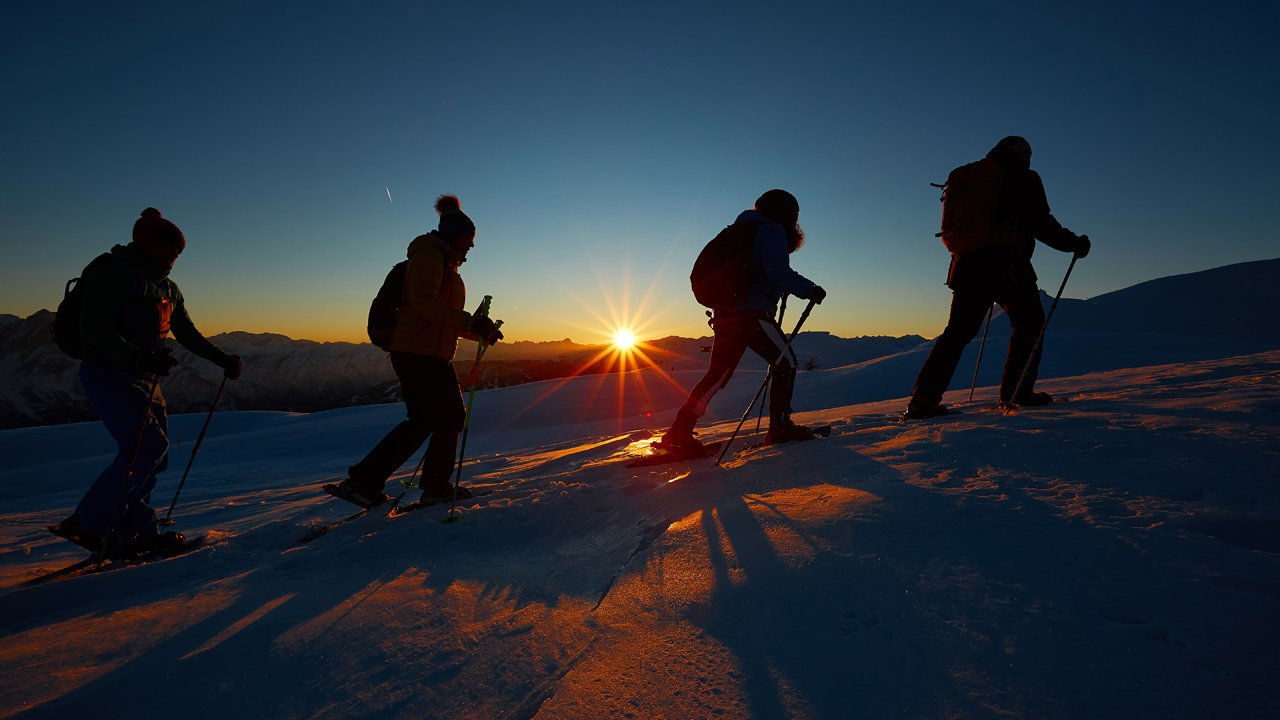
[[624, 339]]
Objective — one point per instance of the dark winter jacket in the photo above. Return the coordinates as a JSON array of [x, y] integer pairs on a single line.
[[432, 319], [1021, 215], [771, 273], [130, 307]]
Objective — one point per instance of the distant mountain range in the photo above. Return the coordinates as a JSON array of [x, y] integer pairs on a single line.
[[41, 387], [1210, 314]]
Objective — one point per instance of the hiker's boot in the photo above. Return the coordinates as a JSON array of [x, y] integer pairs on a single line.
[[923, 409], [782, 430]]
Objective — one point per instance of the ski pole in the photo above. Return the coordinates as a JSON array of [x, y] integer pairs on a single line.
[[118, 510], [474, 378], [168, 517], [803, 316], [1017, 392], [981, 346], [782, 311]]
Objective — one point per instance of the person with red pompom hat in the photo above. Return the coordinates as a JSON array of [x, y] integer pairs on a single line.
[[130, 306], [422, 347]]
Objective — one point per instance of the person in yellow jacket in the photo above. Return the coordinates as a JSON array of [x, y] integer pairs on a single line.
[[422, 346]]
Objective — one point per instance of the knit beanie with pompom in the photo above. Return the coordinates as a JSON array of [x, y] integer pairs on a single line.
[[151, 228], [453, 222]]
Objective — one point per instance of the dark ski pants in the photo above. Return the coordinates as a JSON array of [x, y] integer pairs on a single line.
[[968, 311], [120, 398], [433, 402], [733, 335]]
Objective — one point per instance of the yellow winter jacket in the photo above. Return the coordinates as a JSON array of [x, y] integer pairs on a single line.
[[432, 318]]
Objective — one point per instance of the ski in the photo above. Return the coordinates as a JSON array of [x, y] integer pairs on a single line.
[[319, 531], [659, 456], [431, 502], [902, 417], [91, 566]]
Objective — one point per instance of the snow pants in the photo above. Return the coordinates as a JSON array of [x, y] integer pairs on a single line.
[[121, 496], [733, 335], [433, 403], [1021, 302]]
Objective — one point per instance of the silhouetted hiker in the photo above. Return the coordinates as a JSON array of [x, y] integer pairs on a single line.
[[772, 231], [991, 263], [422, 345], [129, 307]]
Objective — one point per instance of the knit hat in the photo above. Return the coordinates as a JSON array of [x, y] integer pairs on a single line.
[[453, 222], [151, 228], [779, 206]]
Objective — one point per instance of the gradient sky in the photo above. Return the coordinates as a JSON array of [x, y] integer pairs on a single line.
[[599, 145]]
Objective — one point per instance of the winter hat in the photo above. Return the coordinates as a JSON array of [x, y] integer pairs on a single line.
[[779, 206], [453, 222], [151, 228]]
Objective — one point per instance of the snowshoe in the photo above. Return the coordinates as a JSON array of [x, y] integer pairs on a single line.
[[363, 497], [785, 431], [428, 500], [918, 410], [70, 529], [661, 453]]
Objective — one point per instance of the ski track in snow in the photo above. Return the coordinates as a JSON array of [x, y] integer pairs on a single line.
[[1117, 555]]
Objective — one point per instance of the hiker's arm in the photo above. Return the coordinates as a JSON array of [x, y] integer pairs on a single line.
[[772, 241], [185, 331], [422, 288], [1043, 225]]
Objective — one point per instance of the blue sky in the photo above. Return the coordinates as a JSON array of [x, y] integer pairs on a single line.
[[597, 146]]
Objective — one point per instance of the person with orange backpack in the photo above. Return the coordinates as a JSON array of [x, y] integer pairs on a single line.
[[994, 211]]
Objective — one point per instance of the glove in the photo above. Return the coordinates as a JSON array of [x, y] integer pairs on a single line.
[[482, 326], [231, 366], [157, 362], [818, 294], [1082, 246]]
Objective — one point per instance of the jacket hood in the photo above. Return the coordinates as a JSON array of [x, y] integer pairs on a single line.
[[132, 259], [432, 239], [754, 216]]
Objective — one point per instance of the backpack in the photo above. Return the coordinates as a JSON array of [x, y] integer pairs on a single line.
[[968, 206], [385, 307], [722, 273], [66, 322]]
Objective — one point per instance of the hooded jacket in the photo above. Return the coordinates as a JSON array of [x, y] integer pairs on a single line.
[[431, 319], [771, 272], [130, 307]]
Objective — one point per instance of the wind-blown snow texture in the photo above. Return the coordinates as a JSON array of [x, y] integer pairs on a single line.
[[1115, 556]]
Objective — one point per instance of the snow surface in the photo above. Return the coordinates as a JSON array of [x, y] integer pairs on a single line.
[[1115, 556]]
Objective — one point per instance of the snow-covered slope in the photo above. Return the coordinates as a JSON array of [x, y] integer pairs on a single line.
[[1115, 556]]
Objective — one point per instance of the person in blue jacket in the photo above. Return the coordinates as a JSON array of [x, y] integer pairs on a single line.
[[750, 324]]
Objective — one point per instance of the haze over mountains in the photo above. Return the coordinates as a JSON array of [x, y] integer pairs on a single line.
[[1216, 313]]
